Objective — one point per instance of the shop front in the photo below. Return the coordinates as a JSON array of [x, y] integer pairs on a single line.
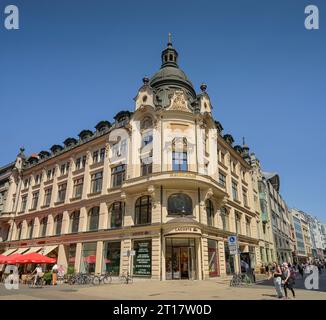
[[180, 260]]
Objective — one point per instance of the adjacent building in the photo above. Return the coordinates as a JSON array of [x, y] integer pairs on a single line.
[[279, 215]]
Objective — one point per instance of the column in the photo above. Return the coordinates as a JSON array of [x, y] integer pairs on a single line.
[[78, 256], [62, 257], [103, 219], [65, 222], [221, 257], [50, 224], [99, 257], [156, 258], [205, 262], [125, 261], [36, 229], [83, 220]]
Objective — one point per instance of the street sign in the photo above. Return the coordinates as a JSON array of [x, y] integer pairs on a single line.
[[232, 240], [233, 245]]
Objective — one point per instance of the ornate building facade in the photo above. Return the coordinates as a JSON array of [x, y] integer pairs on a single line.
[[156, 192]]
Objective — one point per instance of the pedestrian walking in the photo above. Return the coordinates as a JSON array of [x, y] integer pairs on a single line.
[[277, 278], [54, 274], [288, 280]]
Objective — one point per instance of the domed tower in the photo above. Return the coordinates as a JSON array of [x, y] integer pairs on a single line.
[[170, 78]]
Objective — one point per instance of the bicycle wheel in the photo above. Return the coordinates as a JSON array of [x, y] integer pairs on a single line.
[[123, 279], [107, 279], [96, 281]]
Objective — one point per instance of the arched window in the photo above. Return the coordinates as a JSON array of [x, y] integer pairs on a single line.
[[146, 123], [43, 225], [225, 219], [19, 230], [210, 212], [74, 222], [143, 210], [179, 154], [57, 224], [30, 229], [93, 218], [179, 203], [116, 211]]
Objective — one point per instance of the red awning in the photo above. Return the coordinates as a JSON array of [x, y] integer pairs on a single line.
[[35, 258], [11, 259]]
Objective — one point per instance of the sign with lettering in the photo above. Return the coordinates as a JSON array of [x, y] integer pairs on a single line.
[[143, 257], [195, 230]]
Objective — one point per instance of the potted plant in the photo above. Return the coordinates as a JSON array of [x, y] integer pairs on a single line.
[[47, 278]]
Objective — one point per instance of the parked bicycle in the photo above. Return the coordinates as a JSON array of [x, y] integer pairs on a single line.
[[105, 278], [80, 279], [240, 280], [126, 278]]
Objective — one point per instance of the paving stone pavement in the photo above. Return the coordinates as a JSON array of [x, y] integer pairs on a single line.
[[217, 289]]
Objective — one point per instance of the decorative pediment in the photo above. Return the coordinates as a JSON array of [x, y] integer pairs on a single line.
[[179, 102]]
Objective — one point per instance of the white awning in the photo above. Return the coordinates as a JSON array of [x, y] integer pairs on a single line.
[[34, 249], [46, 250], [21, 250], [8, 252]]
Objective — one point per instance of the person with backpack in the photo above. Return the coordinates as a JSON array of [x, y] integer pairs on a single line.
[[289, 281]]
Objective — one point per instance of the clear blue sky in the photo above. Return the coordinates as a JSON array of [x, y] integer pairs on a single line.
[[74, 63]]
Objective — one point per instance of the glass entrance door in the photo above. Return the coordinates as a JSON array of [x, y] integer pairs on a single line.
[[180, 259]]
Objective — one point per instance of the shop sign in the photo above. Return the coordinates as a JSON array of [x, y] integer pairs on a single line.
[[143, 257], [185, 230]]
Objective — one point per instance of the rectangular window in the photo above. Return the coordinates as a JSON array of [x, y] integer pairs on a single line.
[[37, 179], [72, 255], [179, 161], [62, 192], [47, 197], [222, 157], [78, 188], [118, 175], [88, 257], [111, 257], [96, 183], [229, 260], [147, 138], [248, 229], [95, 156], [213, 258], [234, 190], [143, 258], [84, 161], [24, 203], [62, 169], [146, 166], [222, 179], [102, 154], [35, 200], [225, 220], [78, 163]]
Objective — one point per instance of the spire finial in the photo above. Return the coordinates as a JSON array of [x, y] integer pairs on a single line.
[[243, 141], [170, 39]]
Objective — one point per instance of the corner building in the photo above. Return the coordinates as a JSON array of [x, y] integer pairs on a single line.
[[161, 181]]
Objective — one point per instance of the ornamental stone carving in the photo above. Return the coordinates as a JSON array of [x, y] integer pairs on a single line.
[[179, 102]]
